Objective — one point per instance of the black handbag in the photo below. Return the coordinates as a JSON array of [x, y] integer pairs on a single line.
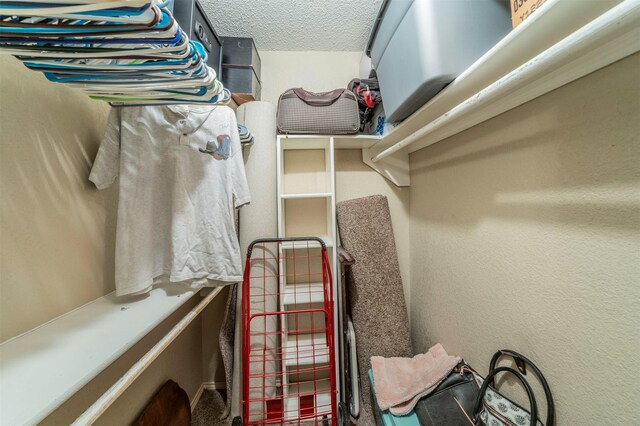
[[452, 402], [464, 398], [494, 409]]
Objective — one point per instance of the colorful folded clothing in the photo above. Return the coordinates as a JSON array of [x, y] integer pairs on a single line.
[[246, 138], [129, 52]]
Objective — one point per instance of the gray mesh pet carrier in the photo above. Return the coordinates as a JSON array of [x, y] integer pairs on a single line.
[[328, 113]]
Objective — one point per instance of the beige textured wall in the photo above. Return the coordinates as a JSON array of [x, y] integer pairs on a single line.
[[525, 235], [322, 71], [56, 230], [57, 236], [315, 71], [354, 179]]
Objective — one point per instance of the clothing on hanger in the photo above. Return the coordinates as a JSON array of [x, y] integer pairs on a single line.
[[129, 52], [181, 175]]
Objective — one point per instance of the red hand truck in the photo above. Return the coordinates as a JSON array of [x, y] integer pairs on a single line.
[[288, 350]]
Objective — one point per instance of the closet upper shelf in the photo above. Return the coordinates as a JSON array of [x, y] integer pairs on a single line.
[[561, 42], [307, 195], [339, 141], [355, 142], [328, 242], [41, 369]]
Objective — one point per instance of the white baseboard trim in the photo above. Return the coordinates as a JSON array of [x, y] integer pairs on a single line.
[[201, 389], [197, 396], [214, 385]]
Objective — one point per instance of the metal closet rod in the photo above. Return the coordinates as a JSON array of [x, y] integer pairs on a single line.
[[616, 29], [109, 397]]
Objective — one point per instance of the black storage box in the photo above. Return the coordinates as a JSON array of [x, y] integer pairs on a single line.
[[242, 80], [241, 51], [194, 22], [241, 66]]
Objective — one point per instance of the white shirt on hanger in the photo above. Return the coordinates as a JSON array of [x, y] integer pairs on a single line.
[[181, 175]]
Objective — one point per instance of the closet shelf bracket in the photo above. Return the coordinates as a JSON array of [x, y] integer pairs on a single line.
[[394, 167]]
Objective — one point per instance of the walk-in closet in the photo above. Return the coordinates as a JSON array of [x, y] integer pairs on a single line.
[[332, 213]]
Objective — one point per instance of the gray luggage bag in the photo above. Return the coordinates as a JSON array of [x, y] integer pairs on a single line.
[[328, 113]]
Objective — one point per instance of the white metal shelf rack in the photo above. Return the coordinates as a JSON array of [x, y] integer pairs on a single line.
[[306, 208]]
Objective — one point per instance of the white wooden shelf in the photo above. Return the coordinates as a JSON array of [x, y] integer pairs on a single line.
[[306, 349], [306, 208], [322, 392], [299, 294], [355, 141], [291, 245], [41, 369], [559, 43], [340, 141], [309, 195]]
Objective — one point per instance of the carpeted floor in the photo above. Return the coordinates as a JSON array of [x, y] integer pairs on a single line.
[[209, 410]]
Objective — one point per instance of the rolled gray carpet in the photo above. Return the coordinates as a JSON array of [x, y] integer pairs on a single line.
[[378, 308]]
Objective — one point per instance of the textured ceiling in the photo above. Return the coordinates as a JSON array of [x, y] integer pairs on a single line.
[[295, 24]]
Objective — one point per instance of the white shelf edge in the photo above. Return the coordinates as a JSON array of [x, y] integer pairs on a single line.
[[302, 136], [303, 293], [355, 141], [309, 350], [290, 142], [308, 195], [312, 244], [325, 136], [63, 355], [359, 141]]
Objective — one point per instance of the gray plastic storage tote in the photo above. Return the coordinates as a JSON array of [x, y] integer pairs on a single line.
[[420, 46]]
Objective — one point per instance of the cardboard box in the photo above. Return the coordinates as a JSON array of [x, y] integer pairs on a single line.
[[522, 9]]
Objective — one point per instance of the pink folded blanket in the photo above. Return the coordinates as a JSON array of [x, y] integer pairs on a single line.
[[400, 382]]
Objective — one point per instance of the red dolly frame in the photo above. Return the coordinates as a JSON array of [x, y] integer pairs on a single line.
[[273, 401]]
